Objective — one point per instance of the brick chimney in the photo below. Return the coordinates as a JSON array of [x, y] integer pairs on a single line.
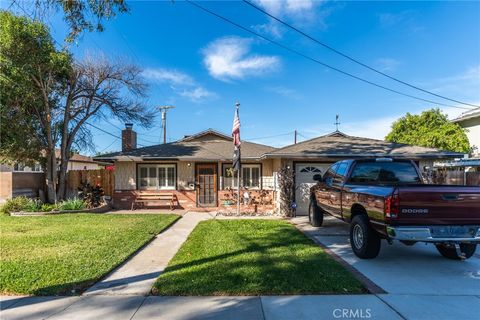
[[129, 138]]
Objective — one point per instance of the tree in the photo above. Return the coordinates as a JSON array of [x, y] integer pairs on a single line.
[[429, 129], [52, 97], [80, 15], [29, 62]]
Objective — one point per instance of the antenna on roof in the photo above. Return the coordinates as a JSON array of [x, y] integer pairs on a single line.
[[164, 110], [337, 122]]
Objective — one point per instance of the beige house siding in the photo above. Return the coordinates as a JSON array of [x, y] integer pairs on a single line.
[[185, 175], [73, 165], [125, 175]]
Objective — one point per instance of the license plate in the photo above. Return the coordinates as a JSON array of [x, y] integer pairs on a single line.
[[452, 232]]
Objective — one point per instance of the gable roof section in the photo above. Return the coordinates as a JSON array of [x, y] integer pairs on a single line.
[[208, 145], [340, 145]]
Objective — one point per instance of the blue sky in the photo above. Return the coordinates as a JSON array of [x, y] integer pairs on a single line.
[[203, 65]]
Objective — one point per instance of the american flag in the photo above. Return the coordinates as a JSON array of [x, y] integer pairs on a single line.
[[236, 140], [236, 129]]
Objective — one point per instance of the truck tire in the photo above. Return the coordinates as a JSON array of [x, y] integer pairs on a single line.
[[448, 251], [315, 214], [364, 240]]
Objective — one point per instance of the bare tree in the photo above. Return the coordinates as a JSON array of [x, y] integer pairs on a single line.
[[98, 89]]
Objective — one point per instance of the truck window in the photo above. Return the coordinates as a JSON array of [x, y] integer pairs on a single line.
[[330, 174], [384, 173], [340, 173]]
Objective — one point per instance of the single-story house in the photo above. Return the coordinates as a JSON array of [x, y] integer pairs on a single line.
[[470, 120], [197, 168]]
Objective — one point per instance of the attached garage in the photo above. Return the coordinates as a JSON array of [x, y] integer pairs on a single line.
[[304, 173]]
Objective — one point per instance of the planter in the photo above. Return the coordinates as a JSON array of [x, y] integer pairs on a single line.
[[102, 209]]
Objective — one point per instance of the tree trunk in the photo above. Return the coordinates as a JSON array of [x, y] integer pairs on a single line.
[[50, 175], [62, 179]]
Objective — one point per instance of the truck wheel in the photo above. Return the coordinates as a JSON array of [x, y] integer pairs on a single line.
[[364, 240], [315, 214], [448, 251]]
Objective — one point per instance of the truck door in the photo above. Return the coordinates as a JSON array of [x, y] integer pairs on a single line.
[[336, 188]]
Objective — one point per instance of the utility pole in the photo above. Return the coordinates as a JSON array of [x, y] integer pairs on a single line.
[[295, 137], [164, 110]]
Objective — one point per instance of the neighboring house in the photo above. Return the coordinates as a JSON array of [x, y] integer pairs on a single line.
[[197, 168], [21, 179], [470, 120]]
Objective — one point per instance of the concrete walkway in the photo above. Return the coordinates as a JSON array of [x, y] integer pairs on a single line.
[[137, 275]]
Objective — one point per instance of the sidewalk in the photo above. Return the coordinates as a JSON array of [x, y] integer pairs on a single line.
[[137, 275]]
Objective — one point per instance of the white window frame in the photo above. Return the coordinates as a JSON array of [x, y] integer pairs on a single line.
[[250, 168], [157, 185]]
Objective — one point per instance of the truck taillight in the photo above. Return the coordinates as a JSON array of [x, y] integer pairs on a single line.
[[392, 204]]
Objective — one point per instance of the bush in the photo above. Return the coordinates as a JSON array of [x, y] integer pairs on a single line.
[[33, 205], [15, 204], [47, 207], [72, 204]]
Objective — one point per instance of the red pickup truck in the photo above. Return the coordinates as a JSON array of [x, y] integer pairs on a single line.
[[387, 199]]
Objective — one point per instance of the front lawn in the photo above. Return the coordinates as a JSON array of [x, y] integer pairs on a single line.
[[57, 254], [252, 257]]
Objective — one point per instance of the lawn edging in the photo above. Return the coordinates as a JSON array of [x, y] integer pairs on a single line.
[[367, 283]]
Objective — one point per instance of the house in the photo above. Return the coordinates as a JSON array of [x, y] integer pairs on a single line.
[[197, 168], [470, 120], [23, 180]]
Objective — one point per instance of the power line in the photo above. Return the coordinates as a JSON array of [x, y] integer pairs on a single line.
[[274, 136], [109, 133], [318, 61], [353, 59]]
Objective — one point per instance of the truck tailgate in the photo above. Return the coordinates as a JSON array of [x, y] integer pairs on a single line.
[[438, 205]]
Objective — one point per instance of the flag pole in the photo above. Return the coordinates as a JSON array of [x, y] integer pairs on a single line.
[[237, 105]]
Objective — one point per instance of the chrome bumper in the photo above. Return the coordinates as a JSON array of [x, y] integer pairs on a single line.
[[433, 233]]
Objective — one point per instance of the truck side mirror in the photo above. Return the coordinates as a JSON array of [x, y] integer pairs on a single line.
[[317, 177]]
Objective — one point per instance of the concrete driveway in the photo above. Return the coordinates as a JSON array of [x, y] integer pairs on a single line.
[[417, 279]]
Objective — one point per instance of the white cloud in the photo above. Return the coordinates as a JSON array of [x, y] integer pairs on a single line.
[[298, 12], [169, 76], [197, 94], [229, 58], [285, 92], [180, 83]]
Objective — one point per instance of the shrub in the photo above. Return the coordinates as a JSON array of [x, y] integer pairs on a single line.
[[47, 207], [15, 204], [33, 205], [72, 204]]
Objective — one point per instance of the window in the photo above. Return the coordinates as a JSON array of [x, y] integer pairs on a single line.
[[156, 176], [340, 173], [384, 173], [328, 177], [249, 176], [311, 169]]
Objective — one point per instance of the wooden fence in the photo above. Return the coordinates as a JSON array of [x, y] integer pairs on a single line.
[[103, 177]]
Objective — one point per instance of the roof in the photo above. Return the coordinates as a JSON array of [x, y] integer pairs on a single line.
[[470, 114], [75, 157], [340, 145], [206, 145]]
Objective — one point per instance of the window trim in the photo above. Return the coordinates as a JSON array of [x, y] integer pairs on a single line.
[[157, 164], [229, 165]]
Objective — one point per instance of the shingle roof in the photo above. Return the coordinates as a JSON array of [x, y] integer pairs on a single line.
[[206, 145], [340, 145]]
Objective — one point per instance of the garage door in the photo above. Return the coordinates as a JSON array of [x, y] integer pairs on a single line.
[[304, 173]]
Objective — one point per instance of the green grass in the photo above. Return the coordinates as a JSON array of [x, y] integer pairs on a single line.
[[56, 254], [252, 257]]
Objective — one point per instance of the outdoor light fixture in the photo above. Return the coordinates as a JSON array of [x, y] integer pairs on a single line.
[[189, 164]]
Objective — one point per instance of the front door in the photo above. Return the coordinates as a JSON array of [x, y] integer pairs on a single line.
[[206, 185]]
